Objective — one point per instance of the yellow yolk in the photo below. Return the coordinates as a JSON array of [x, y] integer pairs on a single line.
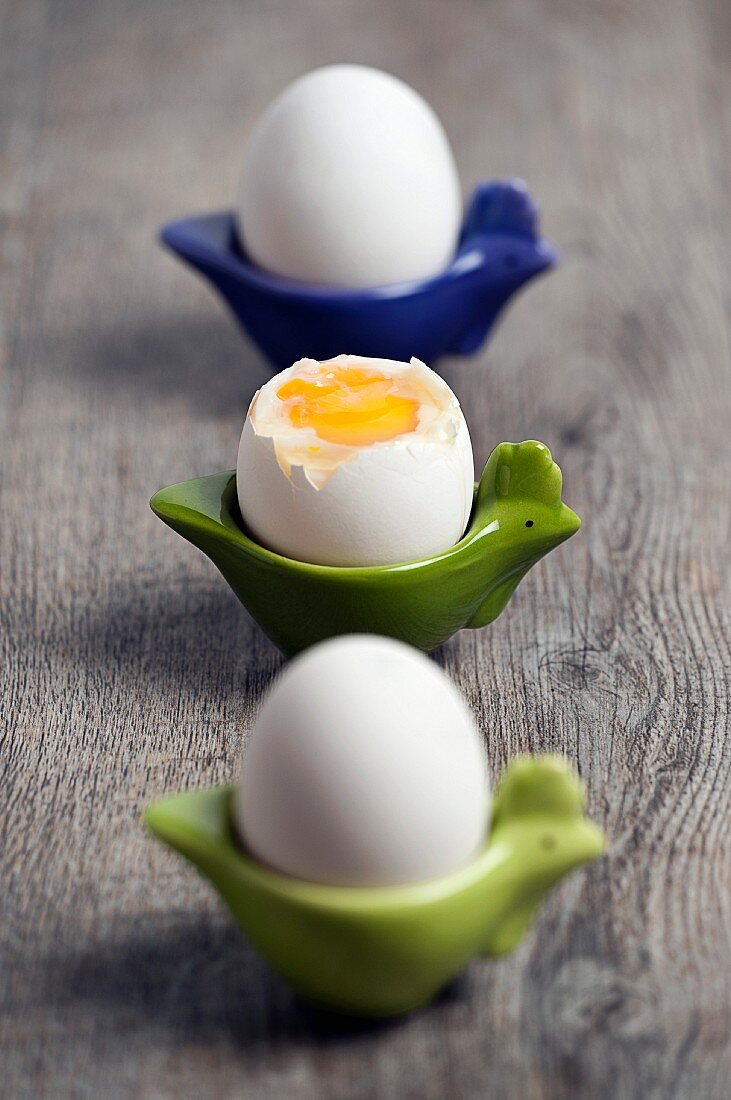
[[353, 406]]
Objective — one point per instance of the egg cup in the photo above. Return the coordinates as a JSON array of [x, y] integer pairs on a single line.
[[517, 517], [452, 313], [384, 951]]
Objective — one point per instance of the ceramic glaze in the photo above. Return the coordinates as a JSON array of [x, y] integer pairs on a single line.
[[388, 950], [452, 313], [517, 517]]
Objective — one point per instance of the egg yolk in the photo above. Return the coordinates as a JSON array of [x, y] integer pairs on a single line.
[[352, 406]]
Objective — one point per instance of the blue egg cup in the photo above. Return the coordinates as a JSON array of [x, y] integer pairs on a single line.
[[500, 249]]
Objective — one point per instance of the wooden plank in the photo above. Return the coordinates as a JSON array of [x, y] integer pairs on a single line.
[[128, 669]]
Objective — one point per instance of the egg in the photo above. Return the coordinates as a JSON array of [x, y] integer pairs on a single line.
[[355, 462], [349, 181], [364, 768]]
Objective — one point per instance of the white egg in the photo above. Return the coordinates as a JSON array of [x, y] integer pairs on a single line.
[[367, 462], [349, 181], [365, 768]]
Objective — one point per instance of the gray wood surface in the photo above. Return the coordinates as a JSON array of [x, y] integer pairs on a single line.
[[129, 670]]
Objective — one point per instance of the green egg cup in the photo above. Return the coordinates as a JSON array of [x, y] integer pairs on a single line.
[[517, 517], [384, 951]]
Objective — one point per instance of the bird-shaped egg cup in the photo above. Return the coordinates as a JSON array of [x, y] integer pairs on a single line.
[[517, 517], [500, 249], [385, 951]]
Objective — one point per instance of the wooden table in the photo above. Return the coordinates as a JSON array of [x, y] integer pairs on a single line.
[[129, 669]]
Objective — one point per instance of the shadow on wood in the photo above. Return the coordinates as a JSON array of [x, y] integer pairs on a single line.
[[201, 361], [191, 637], [198, 981]]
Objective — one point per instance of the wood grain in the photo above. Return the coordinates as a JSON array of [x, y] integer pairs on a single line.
[[129, 670]]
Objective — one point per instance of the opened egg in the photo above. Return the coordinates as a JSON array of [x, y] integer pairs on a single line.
[[355, 462]]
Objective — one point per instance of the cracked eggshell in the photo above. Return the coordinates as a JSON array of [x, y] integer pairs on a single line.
[[394, 502], [364, 768]]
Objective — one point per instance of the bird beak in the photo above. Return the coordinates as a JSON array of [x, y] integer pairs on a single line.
[[545, 256], [570, 522]]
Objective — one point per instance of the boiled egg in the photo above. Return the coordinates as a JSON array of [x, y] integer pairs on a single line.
[[364, 768], [355, 461], [349, 180]]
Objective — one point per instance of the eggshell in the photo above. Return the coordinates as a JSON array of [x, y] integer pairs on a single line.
[[349, 181], [396, 501], [364, 768]]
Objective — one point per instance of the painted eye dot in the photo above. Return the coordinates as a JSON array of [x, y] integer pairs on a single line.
[[529, 523]]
